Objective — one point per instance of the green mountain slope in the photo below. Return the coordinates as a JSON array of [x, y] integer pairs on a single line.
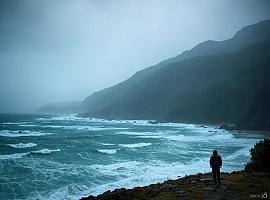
[[224, 87], [248, 35]]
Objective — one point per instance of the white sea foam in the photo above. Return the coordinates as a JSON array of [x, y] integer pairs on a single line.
[[70, 146], [21, 155], [107, 144], [14, 123], [136, 145], [22, 145], [199, 138], [45, 151], [53, 126], [10, 123], [142, 174], [150, 136], [83, 156], [96, 128], [188, 137], [140, 133], [179, 137], [104, 121], [166, 134], [108, 151], [63, 117], [42, 119], [13, 156], [57, 117], [244, 151], [7, 133], [82, 127], [69, 192], [68, 117], [28, 125], [166, 124], [133, 133]]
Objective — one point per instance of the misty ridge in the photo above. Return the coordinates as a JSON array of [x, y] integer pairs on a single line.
[[214, 82]]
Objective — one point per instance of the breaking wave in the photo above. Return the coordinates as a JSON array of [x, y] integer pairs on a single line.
[[22, 145], [108, 151], [136, 145], [7, 133], [22, 155]]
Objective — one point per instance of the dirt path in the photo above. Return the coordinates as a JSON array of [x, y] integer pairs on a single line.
[[212, 192]]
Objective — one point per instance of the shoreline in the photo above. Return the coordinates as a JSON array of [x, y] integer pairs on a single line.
[[203, 125], [162, 190], [258, 132], [153, 121], [234, 185]]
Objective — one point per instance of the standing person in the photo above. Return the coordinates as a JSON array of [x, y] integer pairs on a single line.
[[215, 164]]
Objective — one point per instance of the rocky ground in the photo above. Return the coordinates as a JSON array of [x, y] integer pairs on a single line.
[[234, 186]]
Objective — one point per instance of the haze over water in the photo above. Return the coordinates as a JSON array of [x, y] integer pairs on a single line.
[[67, 157]]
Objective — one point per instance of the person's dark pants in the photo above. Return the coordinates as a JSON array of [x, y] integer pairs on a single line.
[[216, 175]]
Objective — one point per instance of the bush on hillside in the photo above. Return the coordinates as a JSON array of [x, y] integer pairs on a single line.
[[260, 157]]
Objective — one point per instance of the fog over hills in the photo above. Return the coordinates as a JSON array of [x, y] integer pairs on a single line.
[[214, 82], [67, 107]]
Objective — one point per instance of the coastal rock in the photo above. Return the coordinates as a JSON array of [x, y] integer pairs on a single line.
[[181, 194], [152, 122], [167, 187], [118, 194], [228, 127]]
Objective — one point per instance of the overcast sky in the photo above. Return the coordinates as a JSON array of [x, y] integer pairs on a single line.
[[61, 50]]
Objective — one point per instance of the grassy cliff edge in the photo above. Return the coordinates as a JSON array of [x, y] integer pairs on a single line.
[[235, 185], [251, 183]]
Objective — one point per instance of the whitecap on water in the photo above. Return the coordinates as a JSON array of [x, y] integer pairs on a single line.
[[14, 123], [190, 137], [28, 125], [13, 156], [81, 127], [69, 192], [22, 145], [21, 155], [141, 173], [138, 133], [136, 145], [107, 144], [45, 151], [7, 133], [108, 151]]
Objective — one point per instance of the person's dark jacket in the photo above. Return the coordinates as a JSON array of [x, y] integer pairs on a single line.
[[215, 161]]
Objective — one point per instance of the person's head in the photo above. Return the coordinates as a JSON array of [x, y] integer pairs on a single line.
[[215, 152]]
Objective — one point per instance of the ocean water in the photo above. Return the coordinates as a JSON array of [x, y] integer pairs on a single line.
[[67, 157]]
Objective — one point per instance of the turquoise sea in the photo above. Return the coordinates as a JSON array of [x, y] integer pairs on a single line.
[[67, 157]]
